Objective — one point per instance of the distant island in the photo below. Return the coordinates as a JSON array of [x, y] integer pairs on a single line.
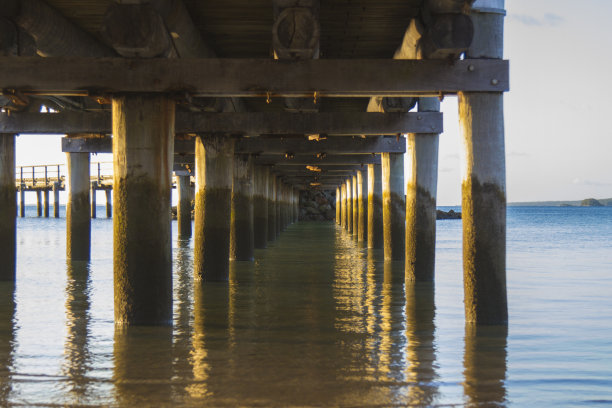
[[587, 202]]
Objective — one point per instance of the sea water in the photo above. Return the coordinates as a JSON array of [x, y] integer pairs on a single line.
[[317, 320]]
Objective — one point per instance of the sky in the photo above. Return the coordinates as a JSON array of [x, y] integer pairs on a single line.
[[558, 137]]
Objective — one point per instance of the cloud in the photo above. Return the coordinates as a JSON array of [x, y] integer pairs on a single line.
[[591, 183], [553, 19], [548, 19]]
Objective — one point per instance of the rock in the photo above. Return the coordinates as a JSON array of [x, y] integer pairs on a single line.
[[324, 208], [450, 215], [317, 205]]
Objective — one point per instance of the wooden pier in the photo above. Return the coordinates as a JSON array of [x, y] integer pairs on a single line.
[[258, 100]]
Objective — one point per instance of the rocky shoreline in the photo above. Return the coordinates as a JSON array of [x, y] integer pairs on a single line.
[[447, 215], [317, 205]]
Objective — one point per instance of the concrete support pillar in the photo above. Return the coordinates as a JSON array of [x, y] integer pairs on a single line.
[[183, 209], [38, 203], [375, 218], [296, 205], [241, 233], [343, 205], [109, 202], [349, 205], [94, 187], [362, 200], [271, 207], [260, 207], [281, 207], [214, 179], [46, 203], [56, 201], [279, 196], [291, 206], [481, 119], [22, 200], [421, 189], [8, 204], [338, 206], [78, 222], [143, 154], [394, 206], [355, 207]]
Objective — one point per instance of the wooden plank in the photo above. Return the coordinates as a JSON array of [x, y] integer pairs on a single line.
[[331, 145], [105, 145], [245, 123], [252, 77], [268, 146], [335, 160]]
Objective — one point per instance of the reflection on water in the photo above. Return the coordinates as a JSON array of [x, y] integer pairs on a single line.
[[7, 339], [484, 361], [316, 320], [421, 348], [142, 358], [78, 359]]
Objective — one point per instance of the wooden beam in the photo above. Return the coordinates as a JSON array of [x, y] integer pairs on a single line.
[[331, 145], [252, 77], [245, 123], [277, 147], [336, 160], [105, 145]]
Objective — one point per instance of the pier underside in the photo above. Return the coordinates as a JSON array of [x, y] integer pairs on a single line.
[[250, 103]]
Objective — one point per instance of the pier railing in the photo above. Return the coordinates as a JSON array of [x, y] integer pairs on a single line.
[[43, 176]]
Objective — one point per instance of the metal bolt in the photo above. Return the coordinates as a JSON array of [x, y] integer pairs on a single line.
[[419, 117], [494, 82], [471, 68]]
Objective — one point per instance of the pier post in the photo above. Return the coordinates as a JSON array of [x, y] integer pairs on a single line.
[[362, 200], [56, 202], [355, 207], [349, 205], [343, 205], [375, 224], [421, 189], [46, 203], [143, 153], [22, 200], [280, 209], [214, 170], [271, 207], [338, 205], [260, 207], [78, 223], [296, 205], [242, 234], [183, 209], [394, 207], [481, 119], [8, 243], [109, 202], [39, 204], [279, 197], [94, 185]]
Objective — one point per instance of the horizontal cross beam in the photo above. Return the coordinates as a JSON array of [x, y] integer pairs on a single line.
[[330, 145], [268, 147], [333, 160], [252, 77], [243, 123]]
